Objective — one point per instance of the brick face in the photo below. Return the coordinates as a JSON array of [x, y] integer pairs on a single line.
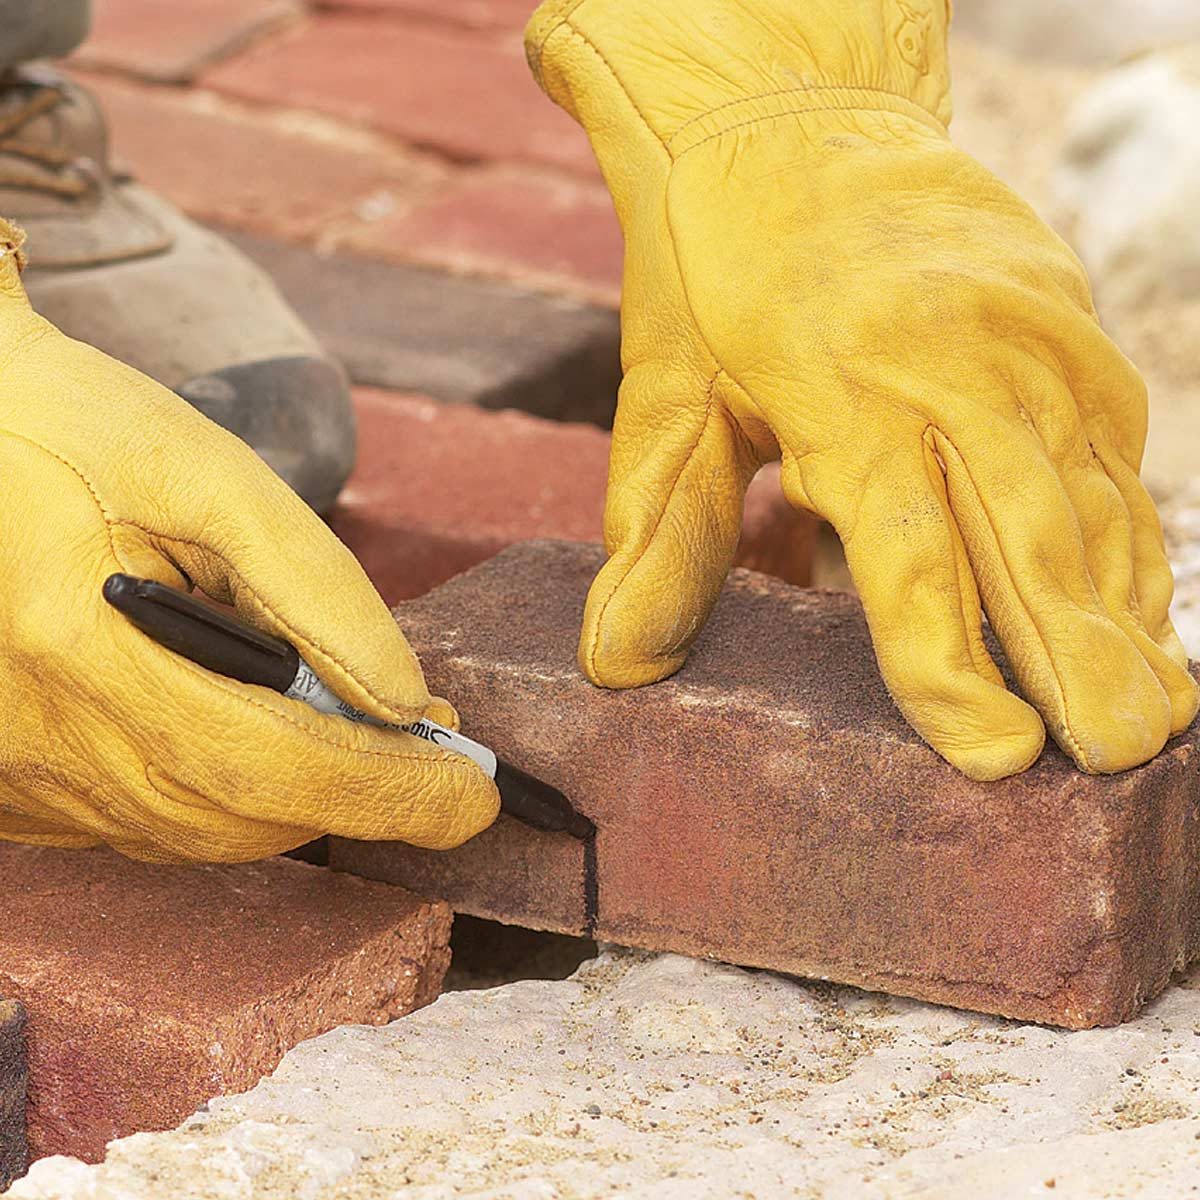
[[467, 95], [473, 14], [150, 989], [13, 1084], [171, 42], [550, 232], [437, 489], [223, 164], [768, 806]]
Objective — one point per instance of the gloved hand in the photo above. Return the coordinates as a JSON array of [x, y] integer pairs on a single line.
[[814, 272], [108, 737]]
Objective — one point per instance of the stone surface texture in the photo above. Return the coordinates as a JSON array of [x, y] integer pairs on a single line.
[[1078, 30], [1139, 122], [458, 340], [769, 806], [439, 488], [663, 1078], [14, 1083], [150, 989]]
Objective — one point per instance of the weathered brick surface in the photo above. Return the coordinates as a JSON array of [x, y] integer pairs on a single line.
[[474, 14], [437, 489], [13, 1081], [469, 95], [768, 806], [151, 989], [227, 163], [549, 231], [458, 340], [170, 42]]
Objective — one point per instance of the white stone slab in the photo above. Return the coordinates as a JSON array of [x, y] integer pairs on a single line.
[[666, 1078]]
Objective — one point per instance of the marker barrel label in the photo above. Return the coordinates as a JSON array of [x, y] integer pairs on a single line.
[[308, 687]]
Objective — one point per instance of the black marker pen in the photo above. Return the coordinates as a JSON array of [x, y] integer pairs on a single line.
[[219, 643]]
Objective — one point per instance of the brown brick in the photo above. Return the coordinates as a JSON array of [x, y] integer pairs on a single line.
[[459, 340], [555, 233], [151, 989], [221, 162], [170, 42], [437, 489], [768, 806], [13, 1085], [468, 95]]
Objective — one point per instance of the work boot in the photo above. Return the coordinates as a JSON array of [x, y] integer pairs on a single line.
[[115, 266]]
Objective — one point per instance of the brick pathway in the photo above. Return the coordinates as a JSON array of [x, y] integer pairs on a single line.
[[437, 221], [405, 130]]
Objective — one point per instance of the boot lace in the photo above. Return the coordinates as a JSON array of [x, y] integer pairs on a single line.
[[67, 174]]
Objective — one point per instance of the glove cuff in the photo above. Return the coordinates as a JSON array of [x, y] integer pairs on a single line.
[[697, 68], [12, 241]]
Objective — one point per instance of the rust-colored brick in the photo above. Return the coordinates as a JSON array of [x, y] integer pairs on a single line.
[[150, 989], [768, 806], [439, 488], [13, 1082], [466, 95]]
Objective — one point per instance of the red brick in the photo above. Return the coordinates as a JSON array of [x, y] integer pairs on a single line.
[[249, 171], [558, 233], [768, 806], [474, 14], [467, 95], [151, 989], [439, 488], [170, 42], [13, 1085]]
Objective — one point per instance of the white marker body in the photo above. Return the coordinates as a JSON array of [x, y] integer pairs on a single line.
[[309, 688]]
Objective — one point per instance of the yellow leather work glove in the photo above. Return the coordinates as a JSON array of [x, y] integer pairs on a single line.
[[106, 736], [814, 272]]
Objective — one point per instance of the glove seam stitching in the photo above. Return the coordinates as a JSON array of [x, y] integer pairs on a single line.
[[564, 19], [641, 116], [599, 621], [112, 522], [791, 112], [801, 91], [307, 644], [456, 762]]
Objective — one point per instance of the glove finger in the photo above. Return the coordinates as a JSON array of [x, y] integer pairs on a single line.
[[677, 480], [1114, 407], [245, 538], [215, 770], [911, 571], [1154, 580], [1099, 697], [1113, 547]]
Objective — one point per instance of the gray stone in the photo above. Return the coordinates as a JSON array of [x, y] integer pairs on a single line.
[[1129, 179], [669, 1079], [14, 1086], [39, 30], [454, 339], [1079, 30]]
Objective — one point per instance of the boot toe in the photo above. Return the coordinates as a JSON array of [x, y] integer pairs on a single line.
[[294, 412]]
